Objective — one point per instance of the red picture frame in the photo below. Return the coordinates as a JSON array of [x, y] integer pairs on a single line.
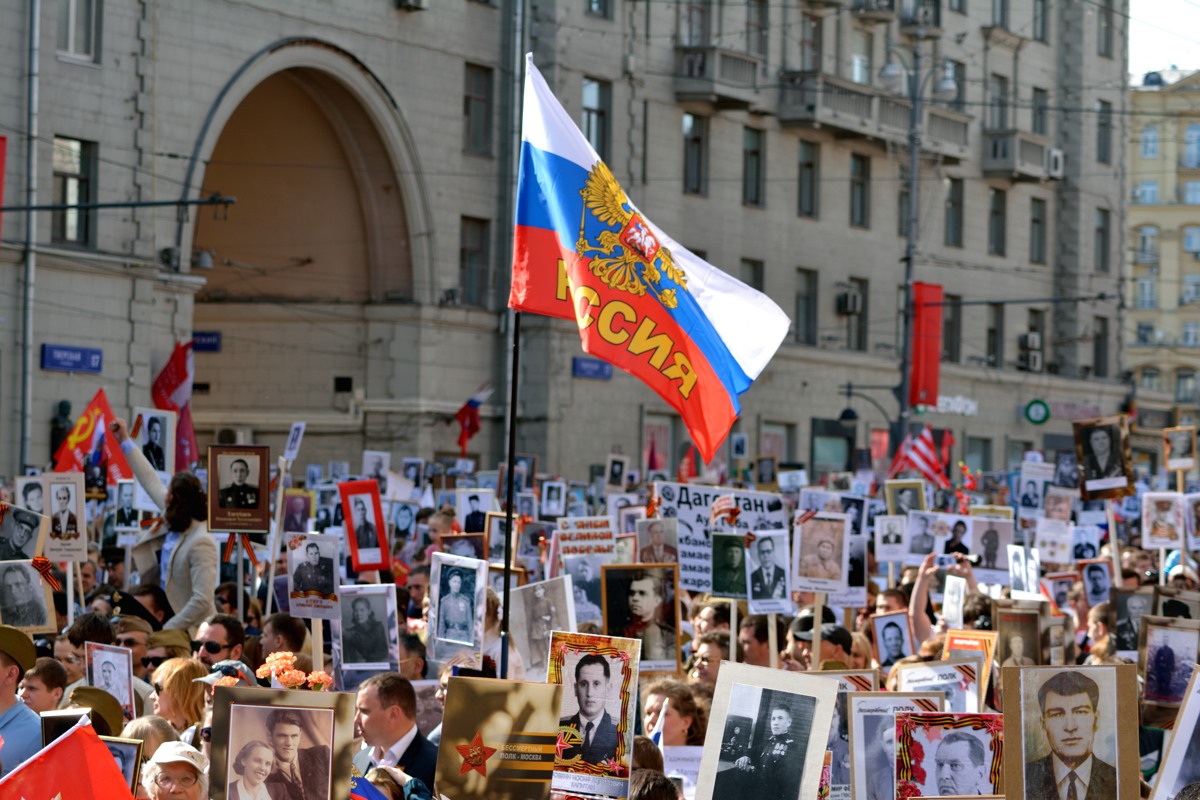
[[366, 491]]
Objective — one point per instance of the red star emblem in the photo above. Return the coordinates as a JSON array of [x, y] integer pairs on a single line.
[[474, 755], [933, 732], [560, 746]]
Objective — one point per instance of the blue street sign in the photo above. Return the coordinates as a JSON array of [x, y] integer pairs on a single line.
[[593, 368], [65, 358], [206, 341]]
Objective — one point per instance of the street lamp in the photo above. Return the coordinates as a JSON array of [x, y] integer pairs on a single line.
[[892, 75]]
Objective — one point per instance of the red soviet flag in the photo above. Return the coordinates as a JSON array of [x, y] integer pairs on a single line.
[[926, 344], [75, 766], [89, 442]]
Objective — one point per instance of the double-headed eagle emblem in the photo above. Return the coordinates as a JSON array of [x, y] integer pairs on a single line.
[[626, 255]]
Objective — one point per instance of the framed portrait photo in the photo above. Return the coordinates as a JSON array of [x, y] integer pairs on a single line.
[[309, 734], [375, 467], [821, 554], [904, 496], [29, 494], [1103, 449], [313, 575], [957, 678], [457, 590], [974, 743], [467, 545], [527, 505], [22, 532], [368, 632], [155, 437], [496, 537], [128, 755], [413, 469], [767, 584], [641, 601], [1180, 764], [1179, 448], [1066, 715], [25, 599], [68, 539], [111, 668], [773, 728], [554, 499], [537, 610], [729, 566], [238, 496], [472, 507], [872, 718], [616, 468], [1167, 651], [59, 721], [1018, 637], [1163, 523], [893, 639], [1170, 601], [658, 540], [516, 577], [891, 542], [1126, 610], [366, 534], [299, 506], [127, 515], [961, 642], [625, 546], [1096, 574]]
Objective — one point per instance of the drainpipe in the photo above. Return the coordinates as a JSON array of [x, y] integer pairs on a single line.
[[31, 196]]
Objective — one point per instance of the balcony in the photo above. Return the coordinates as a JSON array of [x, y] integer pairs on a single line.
[[1146, 255], [874, 10], [820, 100], [1015, 154], [724, 78], [923, 17]]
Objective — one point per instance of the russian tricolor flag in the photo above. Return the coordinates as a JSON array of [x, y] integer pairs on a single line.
[[468, 416], [643, 302]]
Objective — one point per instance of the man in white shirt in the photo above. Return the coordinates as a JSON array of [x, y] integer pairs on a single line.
[[385, 713]]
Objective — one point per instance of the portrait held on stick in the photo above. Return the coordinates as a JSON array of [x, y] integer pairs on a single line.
[[238, 496]]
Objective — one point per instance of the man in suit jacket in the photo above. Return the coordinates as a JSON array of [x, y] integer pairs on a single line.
[[597, 733], [769, 581], [385, 711], [63, 524], [153, 449], [180, 548], [658, 551], [303, 773], [1068, 703]]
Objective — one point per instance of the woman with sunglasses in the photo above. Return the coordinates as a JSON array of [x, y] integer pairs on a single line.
[[177, 697]]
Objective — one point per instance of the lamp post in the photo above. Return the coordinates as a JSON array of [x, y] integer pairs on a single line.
[[892, 75]]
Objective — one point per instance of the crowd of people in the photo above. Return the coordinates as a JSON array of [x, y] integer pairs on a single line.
[[188, 631]]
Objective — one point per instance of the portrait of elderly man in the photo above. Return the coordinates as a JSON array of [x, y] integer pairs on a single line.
[[1128, 623], [657, 550], [597, 731], [769, 580], [960, 765], [823, 564], [1068, 704]]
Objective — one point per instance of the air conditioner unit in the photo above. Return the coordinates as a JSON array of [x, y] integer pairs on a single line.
[[413, 5], [1031, 341], [235, 436], [1054, 162], [849, 304], [1033, 361]]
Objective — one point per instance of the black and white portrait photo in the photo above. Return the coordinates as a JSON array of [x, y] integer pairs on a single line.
[[904, 497], [729, 565], [67, 540], [1066, 469], [764, 743], [312, 575], [658, 540], [767, 574], [1101, 445], [1167, 660], [615, 467], [362, 519], [872, 718], [538, 609], [457, 587], [1179, 448], [473, 506], [375, 466], [368, 626], [821, 559], [29, 494], [497, 536], [152, 443], [238, 481], [893, 638], [111, 668], [1129, 606], [313, 474], [468, 545], [25, 599], [591, 707], [641, 602], [156, 439], [291, 448], [921, 538], [890, 544], [1085, 542], [554, 498], [1097, 580], [764, 471], [22, 534], [527, 505], [956, 754], [1067, 726], [127, 755]]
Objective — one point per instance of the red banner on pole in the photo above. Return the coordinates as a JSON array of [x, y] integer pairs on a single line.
[[89, 442], [927, 344]]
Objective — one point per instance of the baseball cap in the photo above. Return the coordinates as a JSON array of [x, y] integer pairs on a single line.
[[830, 633], [228, 669], [180, 752]]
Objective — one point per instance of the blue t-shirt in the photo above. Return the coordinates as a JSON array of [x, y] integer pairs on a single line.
[[21, 728]]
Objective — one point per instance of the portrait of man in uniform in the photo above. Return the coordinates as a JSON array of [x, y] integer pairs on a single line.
[[769, 580], [22, 602], [777, 766], [236, 490], [657, 538], [640, 603], [18, 535], [64, 523], [315, 573], [456, 606]]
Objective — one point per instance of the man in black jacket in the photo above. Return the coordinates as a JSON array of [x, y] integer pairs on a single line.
[[385, 713], [1069, 705]]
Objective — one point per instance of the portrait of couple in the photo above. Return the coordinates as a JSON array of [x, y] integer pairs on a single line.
[[279, 753]]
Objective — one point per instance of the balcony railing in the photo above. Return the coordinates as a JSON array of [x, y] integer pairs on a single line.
[[725, 78], [1015, 154], [1145, 255]]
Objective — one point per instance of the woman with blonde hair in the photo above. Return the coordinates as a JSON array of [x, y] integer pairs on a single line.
[[152, 731], [177, 697]]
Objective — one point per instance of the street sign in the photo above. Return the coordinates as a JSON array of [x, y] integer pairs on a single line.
[[593, 368], [1037, 412], [206, 341], [64, 358]]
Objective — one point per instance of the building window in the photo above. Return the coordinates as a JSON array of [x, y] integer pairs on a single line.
[[1146, 193], [1041, 112], [1191, 289], [997, 221], [958, 71], [1104, 32], [600, 8], [1100, 347], [1103, 235], [810, 179], [998, 103], [695, 154], [1151, 379], [1185, 386], [806, 306], [861, 43], [1037, 230], [951, 328], [752, 273], [1191, 334], [1040, 19], [473, 261], [756, 27], [754, 159], [597, 99], [903, 204], [1150, 141], [1104, 132], [856, 324], [954, 212], [958, 5], [979, 454], [995, 335], [1191, 147], [1191, 239], [1191, 192], [775, 441], [1147, 245], [860, 191], [1147, 292], [1000, 13], [78, 28], [810, 43], [1145, 333], [477, 110], [695, 24], [74, 172]]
